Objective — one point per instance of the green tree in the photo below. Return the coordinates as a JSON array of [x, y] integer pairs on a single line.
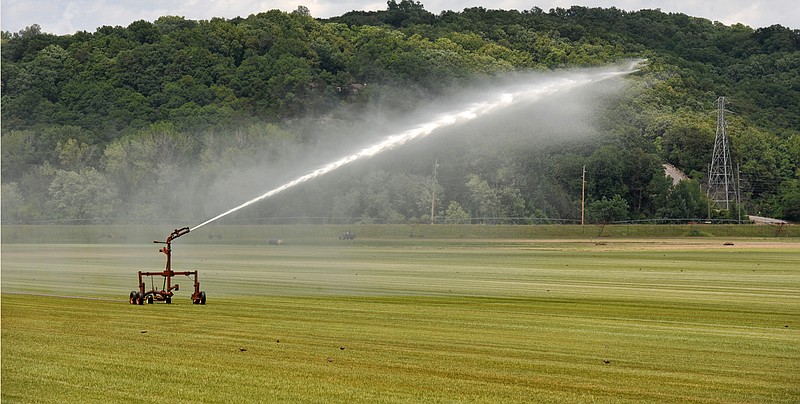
[[12, 203], [378, 200], [19, 153], [483, 201], [406, 13], [143, 32], [456, 214], [139, 160], [171, 24], [687, 142], [608, 210], [512, 202], [302, 11], [684, 200], [83, 195], [34, 186], [790, 200], [245, 147], [51, 68], [606, 173], [763, 163], [73, 155], [289, 84], [143, 69]]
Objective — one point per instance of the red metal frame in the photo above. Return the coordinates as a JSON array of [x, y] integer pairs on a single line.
[[165, 294]]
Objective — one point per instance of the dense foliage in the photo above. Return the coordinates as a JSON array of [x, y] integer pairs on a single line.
[[143, 122]]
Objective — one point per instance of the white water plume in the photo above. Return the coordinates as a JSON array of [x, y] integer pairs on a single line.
[[530, 92]]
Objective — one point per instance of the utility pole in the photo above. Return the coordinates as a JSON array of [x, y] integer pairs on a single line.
[[738, 189], [433, 192], [708, 196], [583, 194]]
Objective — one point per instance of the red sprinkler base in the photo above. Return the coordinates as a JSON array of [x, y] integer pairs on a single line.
[[165, 294]]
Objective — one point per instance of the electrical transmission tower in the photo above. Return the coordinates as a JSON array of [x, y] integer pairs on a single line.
[[721, 186]]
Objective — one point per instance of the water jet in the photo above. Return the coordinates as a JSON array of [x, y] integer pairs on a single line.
[[491, 102]]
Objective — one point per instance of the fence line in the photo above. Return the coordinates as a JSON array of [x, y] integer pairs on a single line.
[[369, 220]]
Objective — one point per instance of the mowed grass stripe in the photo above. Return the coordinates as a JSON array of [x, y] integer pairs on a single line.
[[475, 322], [469, 347]]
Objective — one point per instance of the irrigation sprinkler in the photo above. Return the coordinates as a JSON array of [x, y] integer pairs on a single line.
[[496, 100], [165, 293]]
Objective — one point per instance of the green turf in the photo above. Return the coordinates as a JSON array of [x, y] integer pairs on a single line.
[[382, 320], [328, 234]]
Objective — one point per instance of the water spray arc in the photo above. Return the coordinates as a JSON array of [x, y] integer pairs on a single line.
[[530, 93], [387, 144], [496, 100]]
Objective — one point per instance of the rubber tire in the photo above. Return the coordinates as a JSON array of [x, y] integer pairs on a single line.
[[168, 299], [139, 298], [132, 297], [150, 299], [202, 297]]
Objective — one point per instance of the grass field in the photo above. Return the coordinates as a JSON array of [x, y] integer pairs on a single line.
[[407, 319]]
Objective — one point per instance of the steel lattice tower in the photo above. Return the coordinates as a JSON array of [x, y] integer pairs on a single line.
[[721, 187]]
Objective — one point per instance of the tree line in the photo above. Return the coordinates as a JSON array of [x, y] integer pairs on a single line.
[[143, 122]]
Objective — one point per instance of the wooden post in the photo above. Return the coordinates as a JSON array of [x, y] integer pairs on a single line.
[[433, 192], [583, 195]]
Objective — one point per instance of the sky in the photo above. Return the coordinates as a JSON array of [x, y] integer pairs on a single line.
[[69, 16]]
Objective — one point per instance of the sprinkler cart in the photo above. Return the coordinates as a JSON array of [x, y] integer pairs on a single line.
[[165, 294]]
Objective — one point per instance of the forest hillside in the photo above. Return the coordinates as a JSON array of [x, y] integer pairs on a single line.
[[177, 119]]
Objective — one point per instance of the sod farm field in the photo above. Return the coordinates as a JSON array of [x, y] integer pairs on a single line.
[[404, 314]]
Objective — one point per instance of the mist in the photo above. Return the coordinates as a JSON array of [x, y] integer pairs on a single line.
[[521, 110]]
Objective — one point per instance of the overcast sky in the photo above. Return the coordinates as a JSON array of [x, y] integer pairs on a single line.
[[68, 16]]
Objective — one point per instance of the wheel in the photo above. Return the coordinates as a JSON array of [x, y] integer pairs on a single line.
[[150, 299], [168, 299], [133, 297], [202, 297], [139, 298]]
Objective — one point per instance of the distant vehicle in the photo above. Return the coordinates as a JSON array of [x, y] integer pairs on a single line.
[[348, 235]]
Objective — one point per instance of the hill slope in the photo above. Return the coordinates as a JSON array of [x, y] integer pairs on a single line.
[[130, 122]]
